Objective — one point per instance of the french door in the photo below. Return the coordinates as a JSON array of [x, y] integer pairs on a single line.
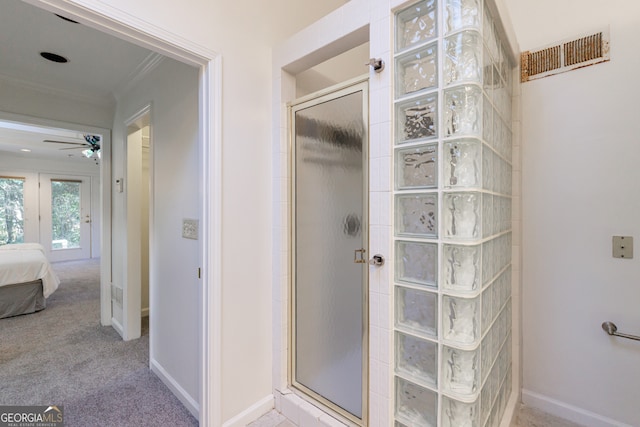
[[65, 216], [330, 240]]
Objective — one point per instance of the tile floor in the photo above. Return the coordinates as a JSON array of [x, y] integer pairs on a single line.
[[530, 417], [526, 417], [272, 419]]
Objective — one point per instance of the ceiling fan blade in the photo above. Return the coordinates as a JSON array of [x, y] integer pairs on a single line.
[[72, 148], [64, 142]]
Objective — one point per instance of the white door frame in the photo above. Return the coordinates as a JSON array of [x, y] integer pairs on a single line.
[[123, 25]]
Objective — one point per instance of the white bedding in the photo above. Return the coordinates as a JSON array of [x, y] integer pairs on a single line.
[[18, 265], [22, 246]]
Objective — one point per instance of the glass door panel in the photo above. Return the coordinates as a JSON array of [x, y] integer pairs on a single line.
[[65, 214], [11, 210], [330, 240], [65, 223]]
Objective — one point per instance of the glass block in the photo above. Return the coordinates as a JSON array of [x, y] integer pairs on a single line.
[[485, 403], [461, 215], [485, 357], [487, 315], [416, 262], [488, 264], [463, 58], [461, 319], [417, 358], [495, 342], [416, 167], [509, 380], [417, 119], [461, 266], [487, 215], [497, 133], [461, 14], [495, 303], [460, 414], [416, 71], [487, 121], [499, 92], [501, 173], [417, 310], [503, 62], [461, 371], [492, 41], [488, 178], [415, 405], [462, 162], [496, 85], [463, 111], [416, 24], [417, 215]]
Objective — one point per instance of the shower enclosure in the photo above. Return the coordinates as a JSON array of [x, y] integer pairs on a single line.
[[452, 237], [330, 236]]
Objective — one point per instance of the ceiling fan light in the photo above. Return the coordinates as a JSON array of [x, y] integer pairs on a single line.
[[87, 153], [99, 155]]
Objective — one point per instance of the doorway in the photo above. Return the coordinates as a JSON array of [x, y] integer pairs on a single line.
[[329, 351], [138, 219]]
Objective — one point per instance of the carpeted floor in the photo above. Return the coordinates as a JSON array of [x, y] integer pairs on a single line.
[[63, 356]]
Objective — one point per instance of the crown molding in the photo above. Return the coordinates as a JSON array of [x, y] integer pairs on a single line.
[[149, 64]]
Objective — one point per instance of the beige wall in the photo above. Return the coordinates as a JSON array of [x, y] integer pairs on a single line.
[[579, 188]]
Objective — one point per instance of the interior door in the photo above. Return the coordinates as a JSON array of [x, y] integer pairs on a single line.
[[65, 216], [330, 273]]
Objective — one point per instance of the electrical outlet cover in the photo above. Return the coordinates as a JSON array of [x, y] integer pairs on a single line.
[[623, 247]]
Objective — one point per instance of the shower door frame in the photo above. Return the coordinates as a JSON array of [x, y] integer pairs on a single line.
[[328, 94]]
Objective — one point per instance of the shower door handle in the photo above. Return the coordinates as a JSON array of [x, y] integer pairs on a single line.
[[377, 260], [359, 259]]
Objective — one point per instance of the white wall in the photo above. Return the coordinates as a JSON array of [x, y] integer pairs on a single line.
[[580, 172], [172, 90]]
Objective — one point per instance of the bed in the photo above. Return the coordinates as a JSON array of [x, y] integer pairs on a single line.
[[26, 279]]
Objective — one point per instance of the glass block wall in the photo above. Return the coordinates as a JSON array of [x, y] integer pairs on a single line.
[[452, 174]]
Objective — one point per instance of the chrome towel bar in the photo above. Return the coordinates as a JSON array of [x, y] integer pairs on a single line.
[[612, 329]]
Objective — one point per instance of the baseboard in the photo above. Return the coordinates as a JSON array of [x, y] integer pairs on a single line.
[[252, 413], [568, 412], [176, 389], [144, 312], [117, 326]]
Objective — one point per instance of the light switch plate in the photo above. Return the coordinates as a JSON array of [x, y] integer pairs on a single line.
[[190, 228], [623, 247]]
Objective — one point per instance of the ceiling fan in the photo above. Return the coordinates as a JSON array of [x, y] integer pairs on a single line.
[[90, 147]]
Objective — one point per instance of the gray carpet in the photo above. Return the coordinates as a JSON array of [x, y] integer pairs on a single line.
[[62, 356]]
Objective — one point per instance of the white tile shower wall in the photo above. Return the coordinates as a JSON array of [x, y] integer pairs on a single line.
[[340, 25]]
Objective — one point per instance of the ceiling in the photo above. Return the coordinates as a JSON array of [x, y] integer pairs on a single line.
[[99, 67]]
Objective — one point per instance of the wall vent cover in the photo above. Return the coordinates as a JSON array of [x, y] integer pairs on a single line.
[[565, 56]]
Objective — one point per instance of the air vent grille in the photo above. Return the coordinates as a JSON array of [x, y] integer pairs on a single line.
[[565, 56], [583, 50]]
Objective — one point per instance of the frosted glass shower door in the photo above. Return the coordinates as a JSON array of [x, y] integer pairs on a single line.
[[329, 348]]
